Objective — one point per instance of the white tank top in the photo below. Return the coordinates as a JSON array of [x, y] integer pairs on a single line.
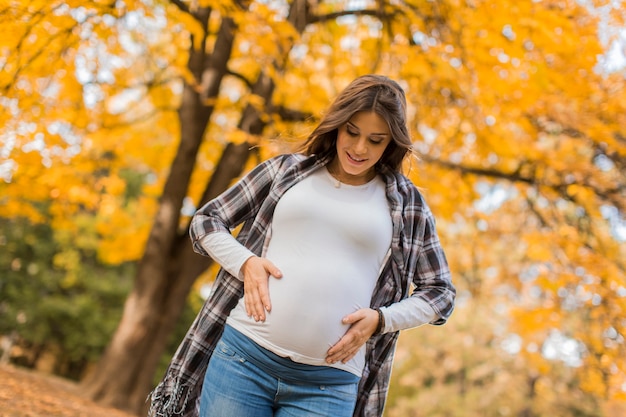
[[330, 243]]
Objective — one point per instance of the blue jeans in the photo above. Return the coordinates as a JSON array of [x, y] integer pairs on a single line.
[[235, 387]]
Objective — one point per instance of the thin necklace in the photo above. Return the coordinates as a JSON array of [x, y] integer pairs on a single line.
[[337, 182]]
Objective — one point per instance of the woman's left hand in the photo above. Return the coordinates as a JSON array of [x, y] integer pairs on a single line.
[[363, 324]]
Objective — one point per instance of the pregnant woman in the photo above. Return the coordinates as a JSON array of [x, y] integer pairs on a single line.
[[337, 253]]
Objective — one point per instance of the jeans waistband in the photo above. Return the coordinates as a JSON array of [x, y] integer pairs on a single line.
[[285, 368]]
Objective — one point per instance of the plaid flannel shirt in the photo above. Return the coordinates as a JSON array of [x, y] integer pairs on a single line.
[[416, 257]]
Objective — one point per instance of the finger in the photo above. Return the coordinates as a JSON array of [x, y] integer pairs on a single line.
[[350, 318], [249, 297], [342, 356], [272, 269], [357, 316], [246, 301], [349, 351], [339, 346], [263, 296], [254, 307], [337, 352], [257, 307], [348, 356], [347, 347]]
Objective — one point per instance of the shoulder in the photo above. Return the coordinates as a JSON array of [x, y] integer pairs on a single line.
[[410, 200], [285, 160], [275, 164], [289, 163], [404, 189]]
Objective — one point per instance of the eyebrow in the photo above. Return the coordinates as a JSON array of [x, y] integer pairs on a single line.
[[373, 134]]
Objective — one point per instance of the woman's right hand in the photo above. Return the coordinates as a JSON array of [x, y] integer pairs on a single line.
[[256, 273]]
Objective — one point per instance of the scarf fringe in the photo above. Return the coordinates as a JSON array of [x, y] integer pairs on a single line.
[[169, 399]]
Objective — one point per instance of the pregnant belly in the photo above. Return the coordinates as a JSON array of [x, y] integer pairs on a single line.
[[307, 310]]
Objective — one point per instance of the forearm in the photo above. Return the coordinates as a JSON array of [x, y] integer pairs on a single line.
[[226, 251], [408, 313]]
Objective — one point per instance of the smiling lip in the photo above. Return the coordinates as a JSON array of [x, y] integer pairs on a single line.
[[355, 160]]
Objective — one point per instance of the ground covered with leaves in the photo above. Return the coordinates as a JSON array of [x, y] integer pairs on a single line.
[[25, 393]]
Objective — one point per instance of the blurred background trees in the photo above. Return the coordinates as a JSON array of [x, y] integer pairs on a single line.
[[119, 118]]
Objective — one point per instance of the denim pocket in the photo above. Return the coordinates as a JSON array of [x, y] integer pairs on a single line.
[[226, 352], [344, 390]]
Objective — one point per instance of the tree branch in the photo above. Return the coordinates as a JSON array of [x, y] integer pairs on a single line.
[[612, 195], [182, 6]]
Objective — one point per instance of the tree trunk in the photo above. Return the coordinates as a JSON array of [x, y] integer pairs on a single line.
[[169, 267], [124, 374]]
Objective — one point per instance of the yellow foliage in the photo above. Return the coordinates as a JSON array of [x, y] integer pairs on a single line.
[[522, 139], [238, 136], [192, 26]]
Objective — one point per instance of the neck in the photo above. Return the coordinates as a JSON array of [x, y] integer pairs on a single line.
[[336, 172]]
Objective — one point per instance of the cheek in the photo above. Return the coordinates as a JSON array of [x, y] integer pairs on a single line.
[[341, 140]]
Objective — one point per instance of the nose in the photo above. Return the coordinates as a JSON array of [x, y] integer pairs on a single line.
[[360, 146]]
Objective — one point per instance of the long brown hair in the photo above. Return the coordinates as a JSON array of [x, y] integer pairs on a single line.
[[366, 93]]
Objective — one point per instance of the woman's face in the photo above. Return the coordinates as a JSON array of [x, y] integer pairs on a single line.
[[360, 145]]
